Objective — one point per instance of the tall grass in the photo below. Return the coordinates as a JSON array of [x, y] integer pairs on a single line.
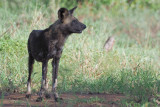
[[132, 67]]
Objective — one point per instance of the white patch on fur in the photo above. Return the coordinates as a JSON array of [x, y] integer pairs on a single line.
[[40, 54], [54, 52], [28, 88], [55, 84], [44, 68], [46, 87], [61, 47], [43, 83]]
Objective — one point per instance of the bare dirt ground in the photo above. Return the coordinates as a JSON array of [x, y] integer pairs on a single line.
[[69, 100]]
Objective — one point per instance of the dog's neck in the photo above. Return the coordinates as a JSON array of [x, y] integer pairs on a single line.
[[58, 29], [56, 33]]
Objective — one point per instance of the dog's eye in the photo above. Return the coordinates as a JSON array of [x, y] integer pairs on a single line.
[[74, 21]]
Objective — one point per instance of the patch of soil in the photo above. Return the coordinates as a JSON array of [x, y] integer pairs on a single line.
[[76, 100]]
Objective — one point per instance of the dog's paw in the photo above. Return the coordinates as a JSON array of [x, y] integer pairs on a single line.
[[28, 95], [47, 95], [58, 99], [39, 99]]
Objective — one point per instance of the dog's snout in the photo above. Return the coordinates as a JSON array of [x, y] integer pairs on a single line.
[[83, 26]]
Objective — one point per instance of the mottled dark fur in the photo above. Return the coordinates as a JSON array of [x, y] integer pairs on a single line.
[[48, 44]]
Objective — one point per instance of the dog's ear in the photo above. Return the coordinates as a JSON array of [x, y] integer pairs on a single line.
[[62, 13], [72, 10]]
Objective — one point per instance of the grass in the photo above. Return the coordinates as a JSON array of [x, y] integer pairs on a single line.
[[2, 98], [131, 68], [76, 101]]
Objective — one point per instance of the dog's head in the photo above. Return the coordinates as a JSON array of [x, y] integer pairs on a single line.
[[69, 22]]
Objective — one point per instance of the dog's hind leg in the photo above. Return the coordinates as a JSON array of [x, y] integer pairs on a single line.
[[30, 69]]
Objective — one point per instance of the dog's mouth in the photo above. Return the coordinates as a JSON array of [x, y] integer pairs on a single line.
[[78, 31]]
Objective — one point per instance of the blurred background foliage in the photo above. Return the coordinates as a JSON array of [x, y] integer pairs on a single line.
[[152, 4], [132, 67]]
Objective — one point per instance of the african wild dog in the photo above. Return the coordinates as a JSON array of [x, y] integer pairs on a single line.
[[48, 44]]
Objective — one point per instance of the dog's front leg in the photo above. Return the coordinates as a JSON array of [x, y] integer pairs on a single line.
[[55, 64], [44, 83]]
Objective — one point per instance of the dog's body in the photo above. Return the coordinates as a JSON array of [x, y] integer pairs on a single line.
[[48, 44], [44, 44]]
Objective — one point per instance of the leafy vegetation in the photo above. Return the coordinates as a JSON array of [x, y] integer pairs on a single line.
[[131, 68]]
